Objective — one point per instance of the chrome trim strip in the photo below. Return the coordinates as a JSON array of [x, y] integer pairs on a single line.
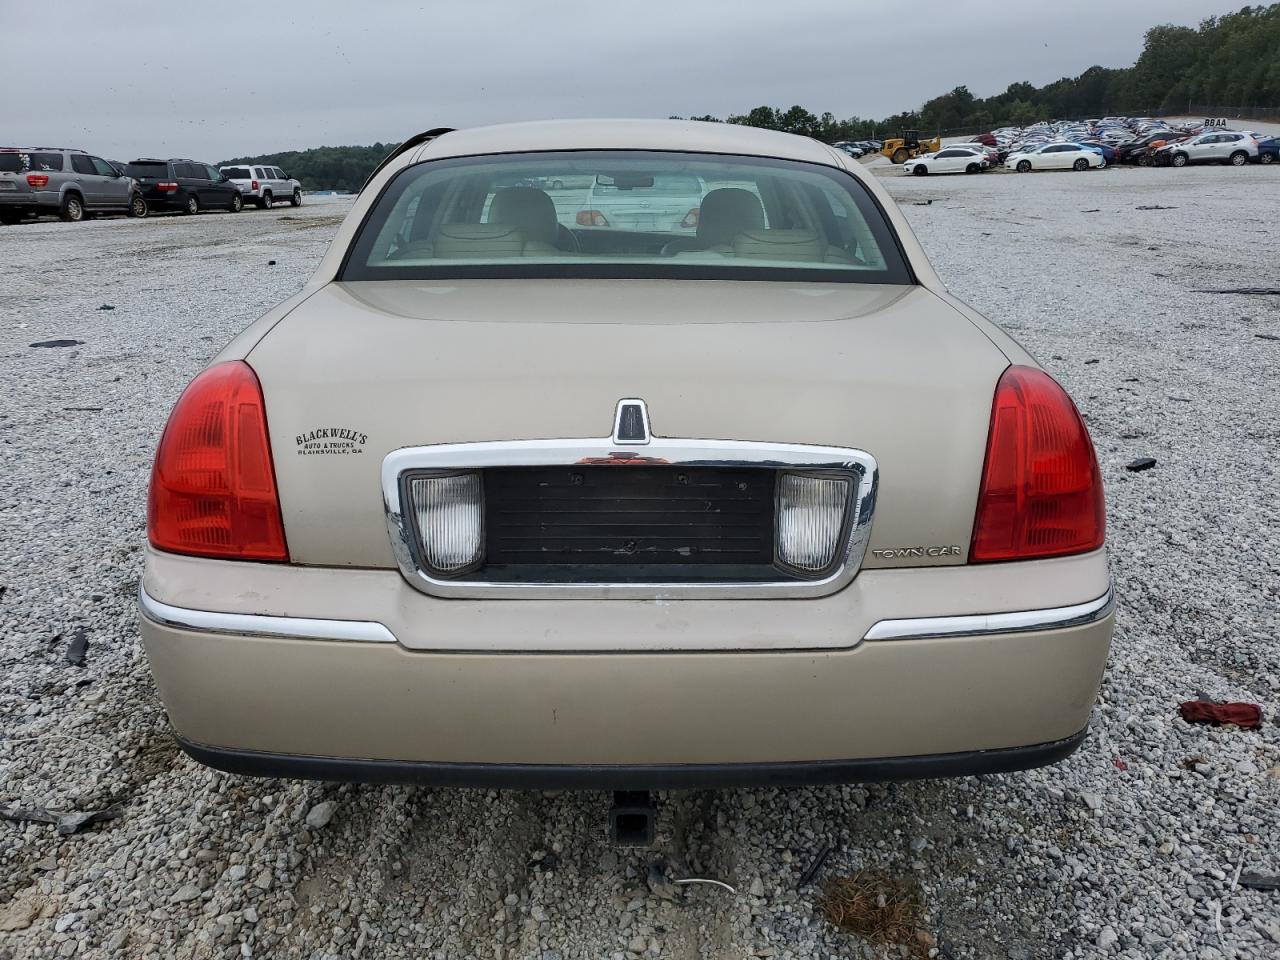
[[858, 465], [306, 628], [1053, 618]]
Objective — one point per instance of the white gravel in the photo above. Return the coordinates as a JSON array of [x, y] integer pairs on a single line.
[[1128, 849]]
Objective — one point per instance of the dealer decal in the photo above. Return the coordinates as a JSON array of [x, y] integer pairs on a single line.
[[331, 441]]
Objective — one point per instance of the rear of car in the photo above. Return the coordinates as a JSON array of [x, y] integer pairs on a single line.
[[246, 180], [29, 182], [626, 505], [662, 203], [159, 183]]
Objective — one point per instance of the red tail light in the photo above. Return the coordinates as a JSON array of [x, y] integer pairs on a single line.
[[37, 180], [591, 218], [691, 218], [166, 187], [213, 486], [253, 184], [1041, 493]]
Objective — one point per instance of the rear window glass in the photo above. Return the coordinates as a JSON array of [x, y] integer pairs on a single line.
[[140, 171], [21, 161], [237, 173], [633, 214]]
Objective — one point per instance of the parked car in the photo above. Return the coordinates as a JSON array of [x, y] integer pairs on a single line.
[[950, 160], [469, 509], [988, 153], [661, 203], [1269, 150], [263, 185], [1230, 147], [70, 183], [1055, 156], [185, 185]]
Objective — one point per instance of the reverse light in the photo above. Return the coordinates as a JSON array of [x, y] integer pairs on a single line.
[[449, 511], [213, 486], [811, 513], [1041, 493], [37, 180], [591, 218]]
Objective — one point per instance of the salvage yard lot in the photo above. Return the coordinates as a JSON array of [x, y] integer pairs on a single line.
[[1130, 848]]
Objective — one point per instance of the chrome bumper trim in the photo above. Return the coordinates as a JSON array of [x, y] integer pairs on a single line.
[[305, 628], [1023, 621], [858, 465]]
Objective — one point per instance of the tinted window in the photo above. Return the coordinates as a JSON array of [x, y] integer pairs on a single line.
[[18, 161], [82, 164], [103, 168], [646, 214], [192, 171], [141, 170], [279, 173], [259, 173], [238, 173]]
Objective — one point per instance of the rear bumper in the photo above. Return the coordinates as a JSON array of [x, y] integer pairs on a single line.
[[914, 696], [689, 776]]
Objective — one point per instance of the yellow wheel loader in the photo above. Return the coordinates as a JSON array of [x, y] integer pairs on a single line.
[[909, 145]]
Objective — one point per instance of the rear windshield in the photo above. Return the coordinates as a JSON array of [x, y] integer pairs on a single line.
[[140, 171], [22, 161], [627, 214], [237, 173]]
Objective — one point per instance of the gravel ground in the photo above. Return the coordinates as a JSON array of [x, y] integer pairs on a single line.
[[1128, 849]]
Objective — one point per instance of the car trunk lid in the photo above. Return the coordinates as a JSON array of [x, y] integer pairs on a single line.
[[361, 369]]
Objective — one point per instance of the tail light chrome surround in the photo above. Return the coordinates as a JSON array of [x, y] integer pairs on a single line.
[[401, 467]]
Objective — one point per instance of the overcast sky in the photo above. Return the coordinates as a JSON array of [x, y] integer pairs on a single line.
[[222, 79]]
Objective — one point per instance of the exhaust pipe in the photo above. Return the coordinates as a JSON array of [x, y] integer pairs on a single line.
[[632, 818]]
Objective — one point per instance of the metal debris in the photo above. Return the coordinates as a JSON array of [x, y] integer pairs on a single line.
[[806, 878], [57, 343], [78, 649], [67, 822], [714, 883], [1142, 463], [1259, 881]]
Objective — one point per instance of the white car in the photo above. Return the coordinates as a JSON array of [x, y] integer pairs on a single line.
[[1223, 146], [948, 160], [1055, 156], [263, 185]]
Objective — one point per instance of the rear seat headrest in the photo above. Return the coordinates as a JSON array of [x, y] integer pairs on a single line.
[[726, 212], [803, 245], [529, 209], [455, 241]]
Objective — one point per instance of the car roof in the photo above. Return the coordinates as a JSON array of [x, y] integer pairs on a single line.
[[602, 134]]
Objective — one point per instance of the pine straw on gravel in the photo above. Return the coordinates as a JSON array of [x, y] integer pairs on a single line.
[[878, 908]]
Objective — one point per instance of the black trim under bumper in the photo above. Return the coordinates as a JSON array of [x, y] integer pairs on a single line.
[[529, 776]]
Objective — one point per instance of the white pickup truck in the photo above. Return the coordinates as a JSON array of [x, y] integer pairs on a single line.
[[262, 185]]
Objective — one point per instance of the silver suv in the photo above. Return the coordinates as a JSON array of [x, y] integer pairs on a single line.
[[71, 183], [263, 185]]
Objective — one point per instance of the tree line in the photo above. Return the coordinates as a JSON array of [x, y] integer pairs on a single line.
[[1229, 60]]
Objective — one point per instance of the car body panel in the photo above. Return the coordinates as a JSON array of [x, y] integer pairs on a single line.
[[843, 367]]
